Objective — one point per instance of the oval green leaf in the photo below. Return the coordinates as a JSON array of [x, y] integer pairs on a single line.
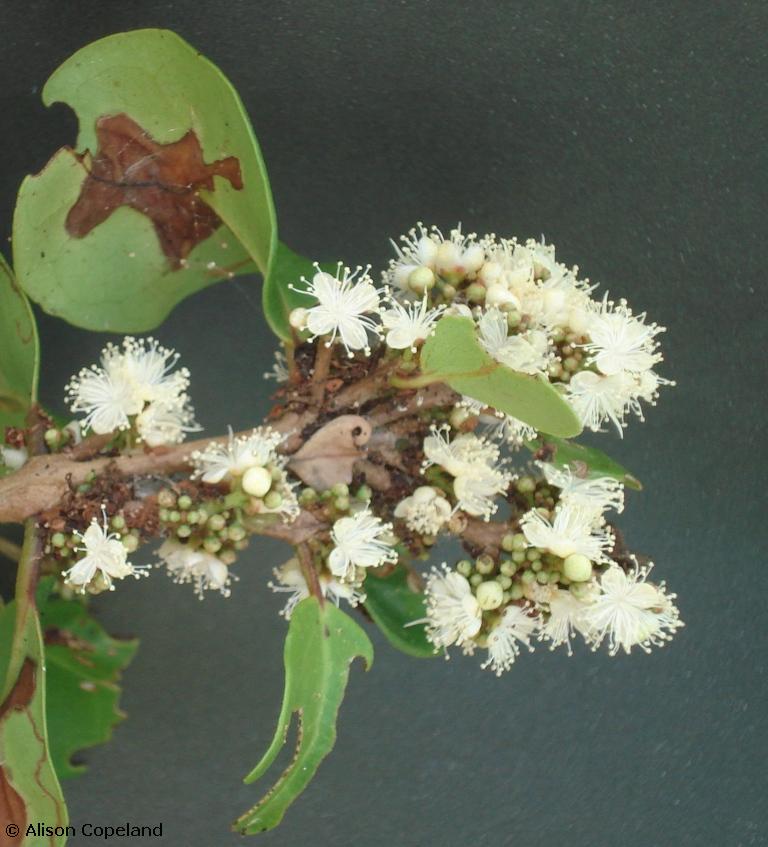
[[394, 606], [118, 276], [453, 355]]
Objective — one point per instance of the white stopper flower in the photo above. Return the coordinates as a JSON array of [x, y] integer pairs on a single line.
[[291, 581], [203, 570], [344, 305], [474, 463], [527, 353], [359, 543], [514, 630], [564, 619], [620, 341], [408, 324], [597, 398], [426, 511], [235, 456], [453, 614], [572, 530], [629, 611], [597, 493], [136, 380], [105, 556]]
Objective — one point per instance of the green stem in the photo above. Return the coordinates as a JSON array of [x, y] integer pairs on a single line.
[[26, 584], [414, 381], [10, 550]]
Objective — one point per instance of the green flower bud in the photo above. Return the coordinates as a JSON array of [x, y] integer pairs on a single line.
[[464, 567], [273, 500], [58, 539], [131, 543], [508, 568], [166, 498], [212, 544], [217, 522], [485, 564], [516, 591], [490, 595], [475, 579], [577, 568], [184, 502]]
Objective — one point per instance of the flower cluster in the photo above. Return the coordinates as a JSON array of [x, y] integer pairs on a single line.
[[535, 315], [250, 464], [135, 387], [554, 577]]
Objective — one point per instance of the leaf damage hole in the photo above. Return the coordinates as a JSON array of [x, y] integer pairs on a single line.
[[160, 181]]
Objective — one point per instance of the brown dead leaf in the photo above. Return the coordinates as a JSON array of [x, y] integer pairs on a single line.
[[159, 180], [328, 456]]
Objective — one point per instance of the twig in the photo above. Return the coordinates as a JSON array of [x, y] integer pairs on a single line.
[[309, 571]]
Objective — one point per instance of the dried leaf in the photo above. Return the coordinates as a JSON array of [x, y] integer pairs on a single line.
[[329, 455], [161, 181]]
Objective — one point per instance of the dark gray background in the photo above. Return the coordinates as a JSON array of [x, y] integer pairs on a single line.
[[633, 136]]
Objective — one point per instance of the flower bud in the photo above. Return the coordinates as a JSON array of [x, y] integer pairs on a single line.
[[490, 594], [577, 568], [257, 481]]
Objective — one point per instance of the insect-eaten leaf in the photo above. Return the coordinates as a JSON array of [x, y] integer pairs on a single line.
[[19, 353], [397, 608], [29, 788], [321, 643], [279, 299], [453, 355], [84, 665], [165, 193]]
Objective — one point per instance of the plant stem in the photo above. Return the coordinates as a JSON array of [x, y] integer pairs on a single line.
[[10, 550], [413, 381]]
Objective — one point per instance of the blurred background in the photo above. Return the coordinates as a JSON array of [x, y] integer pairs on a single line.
[[633, 136]]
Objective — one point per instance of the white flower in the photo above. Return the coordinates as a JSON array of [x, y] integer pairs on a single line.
[[516, 432], [514, 629], [203, 570], [630, 611], [425, 253], [165, 422], [130, 381], [344, 305], [426, 511], [279, 370], [459, 455], [291, 581], [453, 613], [572, 531], [235, 456], [597, 398], [565, 618], [498, 425], [105, 555], [527, 353], [410, 323], [358, 543], [473, 462], [419, 251], [620, 341], [476, 490], [597, 493]]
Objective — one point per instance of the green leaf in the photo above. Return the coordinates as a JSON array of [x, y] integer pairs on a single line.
[[587, 460], [19, 352], [393, 604], [117, 277], [321, 644], [84, 664], [286, 268], [453, 355], [29, 788]]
